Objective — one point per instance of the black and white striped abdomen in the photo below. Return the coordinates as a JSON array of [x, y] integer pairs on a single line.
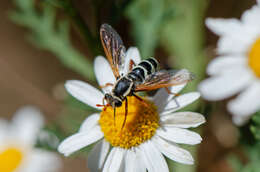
[[150, 65], [143, 69]]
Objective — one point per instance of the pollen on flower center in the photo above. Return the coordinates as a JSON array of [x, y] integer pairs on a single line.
[[141, 123], [10, 159], [254, 58]]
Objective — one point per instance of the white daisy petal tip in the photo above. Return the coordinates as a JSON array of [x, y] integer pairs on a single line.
[[210, 23], [103, 72], [179, 135], [183, 120], [131, 54], [222, 26], [173, 151], [190, 97], [79, 141], [29, 114], [134, 54], [84, 92], [239, 121], [28, 120]]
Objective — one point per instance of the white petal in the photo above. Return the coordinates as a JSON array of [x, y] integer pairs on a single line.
[[26, 124], [173, 151], [89, 123], [248, 102], [130, 161], [234, 37], [84, 93], [223, 63], [97, 156], [104, 73], [223, 26], [43, 161], [162, 97], [179, 102], [224, 86], [240, 43], [152, 158], [79, 140], [114, 160], [131, 54], [251, 17], [179, 135], [183, 119], [240, 120], [133, 162]]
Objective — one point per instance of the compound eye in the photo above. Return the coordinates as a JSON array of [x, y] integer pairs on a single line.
[[106, 96], [118, 103]]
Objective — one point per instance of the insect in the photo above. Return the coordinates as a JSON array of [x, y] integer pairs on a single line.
[[144, 76]]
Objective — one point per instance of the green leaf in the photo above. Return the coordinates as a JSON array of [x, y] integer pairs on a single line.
[[253, 155], [255, 127], [146, 17], [51, 35]]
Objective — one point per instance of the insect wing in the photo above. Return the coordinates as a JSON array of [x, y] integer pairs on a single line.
[[165, 78], [114, 48]]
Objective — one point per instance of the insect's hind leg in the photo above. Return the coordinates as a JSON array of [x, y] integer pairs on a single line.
[[174, 98], [140, 99], [126, 111]]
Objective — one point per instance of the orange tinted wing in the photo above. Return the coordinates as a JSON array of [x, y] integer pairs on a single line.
[[113, 47], [165, 78]]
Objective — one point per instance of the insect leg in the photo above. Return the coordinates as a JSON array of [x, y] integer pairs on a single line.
[[126, 111], [174, 98], [114, 116], [140, 99], [106, 85], [103, 105], [169, 92], [131, 64]]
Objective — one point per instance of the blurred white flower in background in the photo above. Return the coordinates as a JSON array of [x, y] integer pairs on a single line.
[[237, 69], [153, 128], [17, 140]]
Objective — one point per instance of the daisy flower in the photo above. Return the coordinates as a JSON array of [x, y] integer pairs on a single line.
[[237, 69], [152, 129], [17, 139]]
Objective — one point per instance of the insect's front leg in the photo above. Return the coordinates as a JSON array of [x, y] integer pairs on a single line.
[[103, 104], [106, 85]]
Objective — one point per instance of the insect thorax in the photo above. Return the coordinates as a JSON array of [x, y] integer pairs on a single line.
[[123, 87]]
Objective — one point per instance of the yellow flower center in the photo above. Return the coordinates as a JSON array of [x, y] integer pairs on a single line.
[[254, 58], [141, 123], [10, 159]]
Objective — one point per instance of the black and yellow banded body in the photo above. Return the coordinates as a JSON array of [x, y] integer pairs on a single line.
[[143, 69]]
